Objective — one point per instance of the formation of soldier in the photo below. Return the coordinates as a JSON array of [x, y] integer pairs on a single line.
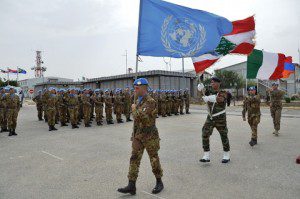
[[9, 110], [75, 106]]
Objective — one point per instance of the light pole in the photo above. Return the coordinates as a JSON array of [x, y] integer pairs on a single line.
[[126, 63]]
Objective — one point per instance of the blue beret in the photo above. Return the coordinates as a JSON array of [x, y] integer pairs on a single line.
[[140, 81]]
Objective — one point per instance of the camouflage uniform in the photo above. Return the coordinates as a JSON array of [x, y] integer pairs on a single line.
[[181, 103], [3, 111], [108, 99], [98, 101], [62, 108], [45, 97], [162, 100], [219, 122], [51, 109], [118, 107], [86, 108], [13, 107], [169, 104], [39, 106], [127, 105], [252, 106], [187, 101], [145, 136], [276, 107], [73, 103]]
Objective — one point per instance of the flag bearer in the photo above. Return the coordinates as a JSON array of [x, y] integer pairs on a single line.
[[216, 118]]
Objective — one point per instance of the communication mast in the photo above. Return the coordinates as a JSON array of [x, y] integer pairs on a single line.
[[38, 69]]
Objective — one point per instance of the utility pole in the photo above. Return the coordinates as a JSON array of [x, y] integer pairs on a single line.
[[126, 61]]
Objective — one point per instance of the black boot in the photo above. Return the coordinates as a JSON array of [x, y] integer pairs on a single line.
[[14, 132], [10, 132], [99, 123], [53, 128], [130, 188], [5, 130], [158, 187], [63, 124], [253, 142], [50, 128], [87, 125], [120, 121], [128, 120], [40, 119]]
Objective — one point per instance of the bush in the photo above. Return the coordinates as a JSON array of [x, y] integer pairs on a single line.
[[287, 100]]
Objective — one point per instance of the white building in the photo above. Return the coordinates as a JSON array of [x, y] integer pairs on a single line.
[[28, 84]]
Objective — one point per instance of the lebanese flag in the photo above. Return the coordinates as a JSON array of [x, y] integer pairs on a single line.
[[12, 71], [265, 66], [239, 41]]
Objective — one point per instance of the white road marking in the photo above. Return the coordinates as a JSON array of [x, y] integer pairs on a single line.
[[153, 195], [52, 155]]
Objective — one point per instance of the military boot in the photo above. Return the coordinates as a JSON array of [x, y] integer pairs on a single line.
[[50, 128], [10, 133], [53, 128], [205, 157], [87, 125], [120, 121], [99, 123], [128, 120], [276, 133], [14, 132], [158, 187], [63, 124], [253, 142], [130, 188]]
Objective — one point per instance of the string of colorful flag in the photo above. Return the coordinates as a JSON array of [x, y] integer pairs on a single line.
[[17, 71], [169, 30]]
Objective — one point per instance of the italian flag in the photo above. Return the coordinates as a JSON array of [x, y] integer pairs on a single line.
[[239, 41], [265, 66]]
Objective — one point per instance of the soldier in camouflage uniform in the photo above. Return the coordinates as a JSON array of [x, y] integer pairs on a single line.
[[163, 106], [145, 136], [169, 103], [181, 102], [186, 96], [13, 107], [39, 105], [62, 107], [127, 104], [276, 96], [80, 106], [118, 106], [73, 104], [98, 101], [85, 97], [216, 102], [3, 111], [51, 108], [252, 106], [45, 97], [108, 100]]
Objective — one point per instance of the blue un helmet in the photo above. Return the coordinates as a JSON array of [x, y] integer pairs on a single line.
[[140, 82], [252, 88]]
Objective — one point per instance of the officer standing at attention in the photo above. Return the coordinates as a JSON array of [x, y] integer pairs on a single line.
[[73, 103], [2, 110], [98, 101], [51, 109], [13, 107], [39, 105], [127, 104], [87, 106], [145, 136], [108, 100], [216, 118], [252, 106], [276, 96]]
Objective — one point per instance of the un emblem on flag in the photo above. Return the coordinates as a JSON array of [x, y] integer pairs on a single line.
[[182, 37]]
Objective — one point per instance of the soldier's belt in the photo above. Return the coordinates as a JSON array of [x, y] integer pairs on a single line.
[[219, 113], [148, 129]]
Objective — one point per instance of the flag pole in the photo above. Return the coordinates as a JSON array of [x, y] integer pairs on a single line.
[[7, 76], [184, 85], [137, 43], [136, 66]]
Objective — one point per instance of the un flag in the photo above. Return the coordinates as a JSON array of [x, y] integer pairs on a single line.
[[170, 30]]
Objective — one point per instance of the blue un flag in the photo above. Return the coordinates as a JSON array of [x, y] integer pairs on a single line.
[[170, 30]]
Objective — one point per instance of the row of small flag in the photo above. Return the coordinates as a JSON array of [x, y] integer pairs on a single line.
[[19, 70]]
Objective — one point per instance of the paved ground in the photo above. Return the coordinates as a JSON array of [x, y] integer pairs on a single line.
[[93, 162]]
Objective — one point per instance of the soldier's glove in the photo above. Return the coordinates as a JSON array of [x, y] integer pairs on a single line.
[[210, 98], [200, 87]]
